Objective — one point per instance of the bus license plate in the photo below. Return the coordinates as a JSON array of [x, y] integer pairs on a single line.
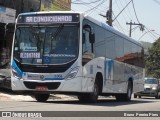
[[41, 88]]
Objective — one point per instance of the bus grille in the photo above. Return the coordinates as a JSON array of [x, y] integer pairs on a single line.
[[49, 85]]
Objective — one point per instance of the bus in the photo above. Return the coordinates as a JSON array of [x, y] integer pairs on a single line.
[[72, 53]]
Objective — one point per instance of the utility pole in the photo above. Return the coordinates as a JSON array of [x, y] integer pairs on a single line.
[[109, 14], [130, 31], [40, 2]]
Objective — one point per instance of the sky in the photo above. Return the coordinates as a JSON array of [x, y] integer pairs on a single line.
[[147, 12]]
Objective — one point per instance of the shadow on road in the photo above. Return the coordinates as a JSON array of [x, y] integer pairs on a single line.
[[7, 91], [101, 102], [105, 102]]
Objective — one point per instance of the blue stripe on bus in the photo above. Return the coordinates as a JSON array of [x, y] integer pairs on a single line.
[[108, 66], [54, 78], [14, 66]]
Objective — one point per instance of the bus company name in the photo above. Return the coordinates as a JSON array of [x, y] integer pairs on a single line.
[[48, 19]]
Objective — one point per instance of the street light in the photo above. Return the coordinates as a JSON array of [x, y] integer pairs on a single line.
[[145, 33]]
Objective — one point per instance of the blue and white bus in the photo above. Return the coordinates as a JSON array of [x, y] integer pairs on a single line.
[[71, 53]]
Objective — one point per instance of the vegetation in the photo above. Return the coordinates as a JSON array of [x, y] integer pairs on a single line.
[[152, 62]]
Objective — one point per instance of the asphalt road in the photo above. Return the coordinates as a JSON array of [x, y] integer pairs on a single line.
[[108, 104], [88, 111]]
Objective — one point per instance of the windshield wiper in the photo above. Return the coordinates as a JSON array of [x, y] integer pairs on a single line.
[[36, 35], [16, 60], [58, 31]]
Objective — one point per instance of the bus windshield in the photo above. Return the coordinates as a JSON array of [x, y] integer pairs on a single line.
[[54, 44]]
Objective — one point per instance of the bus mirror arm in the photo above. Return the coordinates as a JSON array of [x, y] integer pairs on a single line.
[[83, 38], [91, 38]]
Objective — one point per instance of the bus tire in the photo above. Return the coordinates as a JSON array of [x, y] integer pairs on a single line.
[[42, 97], [127, 96], [157, 96], [135, 96], [119, 97], [94, 95], [90, 97], [83, 97]]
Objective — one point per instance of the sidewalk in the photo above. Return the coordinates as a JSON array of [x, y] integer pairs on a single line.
[[8, 97]]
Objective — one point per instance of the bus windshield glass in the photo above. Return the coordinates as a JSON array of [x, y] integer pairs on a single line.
[[46, 44]]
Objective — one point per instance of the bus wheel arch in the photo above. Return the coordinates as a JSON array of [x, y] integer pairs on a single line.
[[129, 89], [99, 81], [97, 89], [128, 94]]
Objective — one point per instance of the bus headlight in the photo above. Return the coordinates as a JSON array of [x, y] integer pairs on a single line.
[[15, 74], [154, 88], [72, 73]]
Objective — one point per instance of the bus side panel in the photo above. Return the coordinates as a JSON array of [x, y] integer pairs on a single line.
[[90, 71], [136, 74], [114, 81], [119, 83], [138, 80]]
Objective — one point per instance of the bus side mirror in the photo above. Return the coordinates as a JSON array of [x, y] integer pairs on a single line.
[[83, 38], [91, 37]]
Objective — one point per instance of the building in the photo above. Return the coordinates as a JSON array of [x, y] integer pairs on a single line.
[[9, 9]]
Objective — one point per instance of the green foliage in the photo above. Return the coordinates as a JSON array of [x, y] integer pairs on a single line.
[[152, 62]]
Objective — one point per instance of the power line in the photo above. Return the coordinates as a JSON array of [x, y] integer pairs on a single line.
[[158, 2], [95, 7], [120, 25], [129, 11], [122, 10], [156, 33], [150, 31], [145, 34], [85, 2], [76, 1], [135, 11], [91, 6]]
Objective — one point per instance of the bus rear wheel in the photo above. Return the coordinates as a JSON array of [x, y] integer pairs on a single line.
[[127, 96], [157, 96], [42, 97]]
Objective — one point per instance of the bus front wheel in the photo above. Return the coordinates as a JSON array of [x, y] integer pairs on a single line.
[[90, 97], [42, 97]]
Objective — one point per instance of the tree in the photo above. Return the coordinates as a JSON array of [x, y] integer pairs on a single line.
[[153, 60]]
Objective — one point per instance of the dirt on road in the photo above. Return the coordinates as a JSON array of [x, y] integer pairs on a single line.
[[9, 95]]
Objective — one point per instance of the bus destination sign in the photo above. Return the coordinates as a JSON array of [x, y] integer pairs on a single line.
[[48, 18]]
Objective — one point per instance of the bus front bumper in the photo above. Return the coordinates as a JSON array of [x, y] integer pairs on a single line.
[[73, 85]]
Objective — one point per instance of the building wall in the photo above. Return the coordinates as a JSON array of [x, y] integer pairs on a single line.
[[21, 5], [55, 5], [25, 6], [34, 5]]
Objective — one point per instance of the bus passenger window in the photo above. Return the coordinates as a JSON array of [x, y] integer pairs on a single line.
[[87, 48], [86, 44]]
